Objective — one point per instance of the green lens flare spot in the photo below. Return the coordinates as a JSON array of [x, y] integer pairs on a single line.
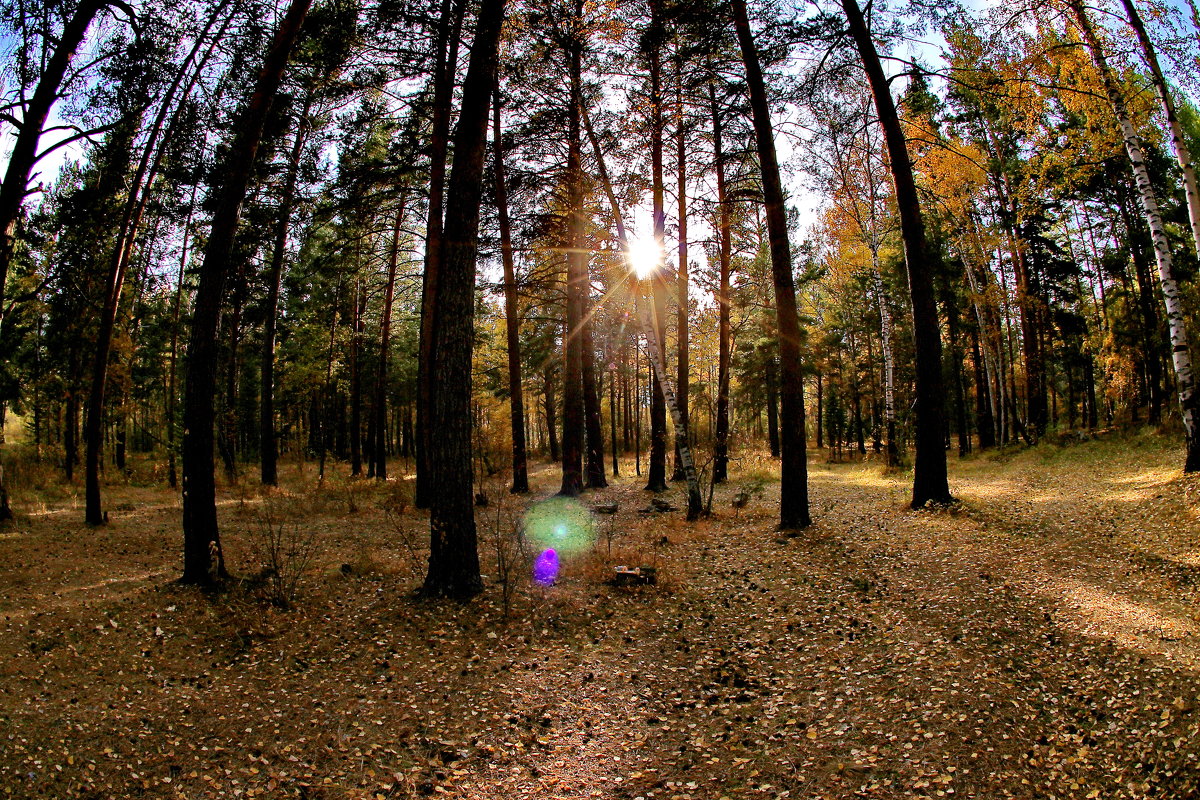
[[561, 523]]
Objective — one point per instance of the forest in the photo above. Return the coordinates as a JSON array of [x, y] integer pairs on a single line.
[[606, 398]]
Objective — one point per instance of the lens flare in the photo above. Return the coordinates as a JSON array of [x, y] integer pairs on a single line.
[[559, 523], [545, 569]]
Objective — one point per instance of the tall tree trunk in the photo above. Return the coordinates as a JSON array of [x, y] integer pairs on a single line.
[[203, 559], [512, 319], [379, 407], [793, 506], [656, 480], [24, 156], [268, 442], [929, 472], [449, 28], [173, 362], [681, 273], [592, 413], [1181, 355], [724, 329], [576, 284], [122, 255], [453, 551]]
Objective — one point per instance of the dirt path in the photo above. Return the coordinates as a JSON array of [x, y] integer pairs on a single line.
[[1041, 641]]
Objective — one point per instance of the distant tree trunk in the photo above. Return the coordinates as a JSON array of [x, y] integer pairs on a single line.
[[453, 551], [592, 413], [637, 413], [268, 443], [793, 506], [576, 287], [71, 433], [612, 419], [226, 422], [512, 320], [443, 97], [626, 398], [724, 329], [357, 309], [1181, 355], [891, 454], [929, 472], [325, 395], [820, 409], [379, 407], [984, 420], [204, 561], [771, 381], [957, 357], [549, 407]]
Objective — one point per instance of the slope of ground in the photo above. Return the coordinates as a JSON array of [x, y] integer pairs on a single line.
[[1040, 640]]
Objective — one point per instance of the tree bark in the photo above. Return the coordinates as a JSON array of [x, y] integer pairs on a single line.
[[443, 97], [793, 507], [656, 476], [576, 286], [454, 555], [204, 562], [930, 482]]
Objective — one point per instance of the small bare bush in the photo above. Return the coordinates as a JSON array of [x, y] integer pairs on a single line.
[[284, 552], [500, 528]]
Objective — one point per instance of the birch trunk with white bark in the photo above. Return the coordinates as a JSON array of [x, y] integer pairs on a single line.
[[1180, 353]]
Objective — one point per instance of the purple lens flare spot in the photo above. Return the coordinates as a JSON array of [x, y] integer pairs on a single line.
[[545, 569]]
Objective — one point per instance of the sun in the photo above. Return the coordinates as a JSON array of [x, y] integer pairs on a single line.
[[644, 255]]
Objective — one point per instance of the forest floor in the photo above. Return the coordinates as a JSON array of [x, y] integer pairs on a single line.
[[1040, 640]]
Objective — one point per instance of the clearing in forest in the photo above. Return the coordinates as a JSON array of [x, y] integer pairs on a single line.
[[1040, 640]]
